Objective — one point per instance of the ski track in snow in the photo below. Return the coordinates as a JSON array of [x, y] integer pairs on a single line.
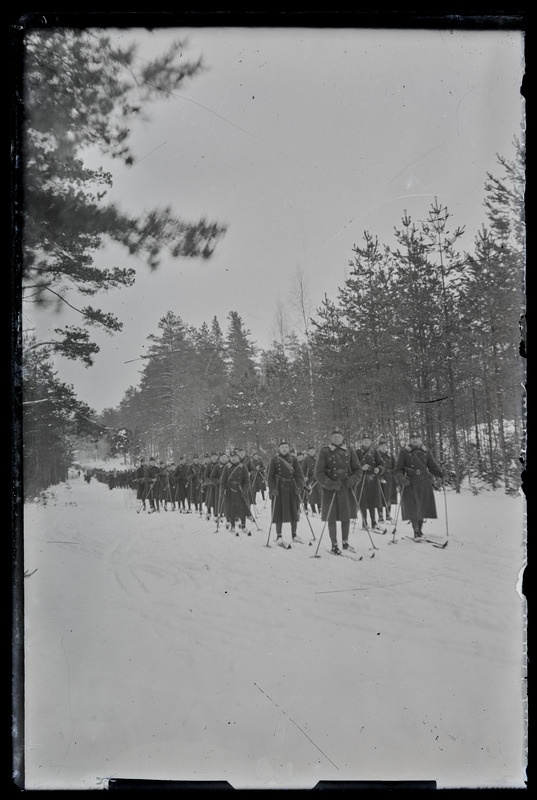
[[172, 651]]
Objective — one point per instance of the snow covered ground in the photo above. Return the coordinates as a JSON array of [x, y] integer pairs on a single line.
[[156, 648]]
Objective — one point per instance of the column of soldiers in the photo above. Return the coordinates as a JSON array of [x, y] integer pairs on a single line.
[[336, 482], [201, 485]]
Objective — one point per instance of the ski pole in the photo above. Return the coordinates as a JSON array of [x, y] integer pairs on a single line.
[[394, 540], [308, 518], [220, 502], [383, 495], [358, 504], [315, 555], [271, 520], [359, 499]]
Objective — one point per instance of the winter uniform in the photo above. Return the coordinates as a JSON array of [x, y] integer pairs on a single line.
[[172, 483], [162, 486], [180, 483], [257, 477], [388, 483], [150, 483], [234, 486], [245, 459], [285, 483], [369, 493], [193, 482], [414, 469], [337, 472], [312, 488], [139, 476], [210, 493], [216, 474]]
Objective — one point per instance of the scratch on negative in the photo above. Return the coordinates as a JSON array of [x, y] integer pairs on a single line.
[[381, 585], [296, 725]]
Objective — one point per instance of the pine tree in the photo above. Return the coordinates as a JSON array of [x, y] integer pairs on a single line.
[[52, 419], [80, 92], [242, 402]]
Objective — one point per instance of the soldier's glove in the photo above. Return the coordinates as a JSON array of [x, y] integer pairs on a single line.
[[274, 493], [366, 467], [403, 480], [348, 482]]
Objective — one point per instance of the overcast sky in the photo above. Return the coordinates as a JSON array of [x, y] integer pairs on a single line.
[[299, 140]]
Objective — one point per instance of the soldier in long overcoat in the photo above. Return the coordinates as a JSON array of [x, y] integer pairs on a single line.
[[139, 477], [234, 486], [414, 470], [180, 484], [209, 487], [338, 471], [170, 492], [214, 480], [388, 484], [369, 495], [245, 459], [285, 484], [257, 476], [312, 489], [193, 482], [163, 485], [150, 484]]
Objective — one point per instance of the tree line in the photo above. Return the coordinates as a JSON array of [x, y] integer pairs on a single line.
[[421, 334]]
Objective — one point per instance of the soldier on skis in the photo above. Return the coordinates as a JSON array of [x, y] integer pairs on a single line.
[[209, 486], [245, 459], [285, 483], [193, 482], [162, 486], [338, 471], [312, 490], [203, 485], [150, 483], [257, 476], [216, 474], [234, 485], [388, 484], [369, 495], [170, 494], [140, 482], [181, 484], [414, 471]]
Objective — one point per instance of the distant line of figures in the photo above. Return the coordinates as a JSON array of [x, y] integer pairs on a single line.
[[336, 481]]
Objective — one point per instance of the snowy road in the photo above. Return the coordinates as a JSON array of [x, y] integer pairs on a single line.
[[156, 648]]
